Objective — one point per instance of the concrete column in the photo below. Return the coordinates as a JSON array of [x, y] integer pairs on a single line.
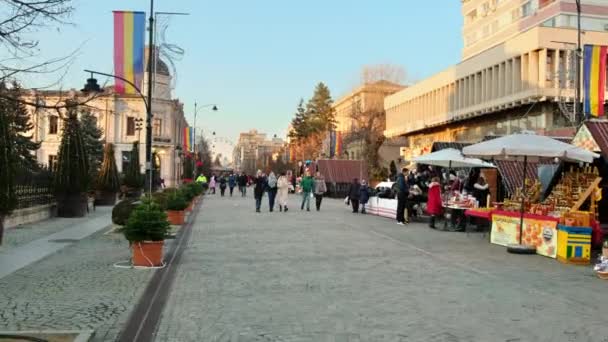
[[525, 71], [533, 68], [500, 84], [516, 75], [557, 71]]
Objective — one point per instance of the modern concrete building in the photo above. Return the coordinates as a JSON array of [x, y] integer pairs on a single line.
[[118, 116], [254, 151], [364, 99], [517, 73]]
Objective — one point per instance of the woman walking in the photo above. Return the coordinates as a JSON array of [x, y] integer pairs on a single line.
[[212, 184], [354, 194], [232, 183], [363, 195], [258, 191], [283, 185], [223, 185], [320, 189], [272, 190], [434, 205]]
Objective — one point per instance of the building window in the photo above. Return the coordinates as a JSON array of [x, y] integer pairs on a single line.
[[126, 160], [130, 126], [52, 162], [157, 128], [53, 124], [527, 9]]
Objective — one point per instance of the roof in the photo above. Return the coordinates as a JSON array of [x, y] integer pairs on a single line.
[[342, 171], [599, 132], [442, 145], [566, 140], [512, 173]]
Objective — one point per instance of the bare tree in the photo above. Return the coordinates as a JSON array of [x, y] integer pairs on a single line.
[[19, 19], [383, 72]]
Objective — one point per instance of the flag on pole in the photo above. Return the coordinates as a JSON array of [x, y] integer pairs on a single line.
[[594, 79], [338, 151], [129, 34], [188, 139]]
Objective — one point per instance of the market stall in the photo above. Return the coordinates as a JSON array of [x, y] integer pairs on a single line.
[[526, 222]]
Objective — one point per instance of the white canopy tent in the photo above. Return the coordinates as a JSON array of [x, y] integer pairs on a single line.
[[527, 147], [450, 158]]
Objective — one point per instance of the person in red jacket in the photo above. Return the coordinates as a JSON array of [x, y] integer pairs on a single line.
[[434, 205]]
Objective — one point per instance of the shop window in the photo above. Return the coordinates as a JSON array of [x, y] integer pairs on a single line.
[[53, 124]]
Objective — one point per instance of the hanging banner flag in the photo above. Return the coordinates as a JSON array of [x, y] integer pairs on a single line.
[[338, 149], [594, 79], [129, 34], [332, 144], [188, 139]]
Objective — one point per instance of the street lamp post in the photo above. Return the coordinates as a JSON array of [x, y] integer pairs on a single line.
[[578, 112], [139, 123], [213, 108]]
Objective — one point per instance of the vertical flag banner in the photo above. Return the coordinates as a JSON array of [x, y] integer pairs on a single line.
[[338, 144], [188, 139], [129, 34], [594, 79], [332, 144]]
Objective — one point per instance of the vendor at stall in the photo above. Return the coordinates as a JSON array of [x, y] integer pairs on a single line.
[[481, 190], [434, 204]]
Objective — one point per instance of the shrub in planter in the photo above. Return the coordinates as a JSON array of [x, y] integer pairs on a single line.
[[108, 183], [122, 210], [161, 199], [146, 230], [175, 208], [188, 193], [72, 175]]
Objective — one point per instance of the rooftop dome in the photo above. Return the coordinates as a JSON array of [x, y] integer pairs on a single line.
[[161, 67]]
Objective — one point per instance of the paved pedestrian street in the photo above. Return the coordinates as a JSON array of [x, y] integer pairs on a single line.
[[337, 276]]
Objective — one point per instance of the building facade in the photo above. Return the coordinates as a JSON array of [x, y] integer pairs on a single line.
[[517, 73], [122, 119], [364, 99], [254, 151]]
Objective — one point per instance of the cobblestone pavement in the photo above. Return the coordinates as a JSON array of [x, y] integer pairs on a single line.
[[76, 288], [21, 235], [337, 276]]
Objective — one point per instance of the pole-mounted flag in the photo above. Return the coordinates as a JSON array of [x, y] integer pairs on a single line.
[[594, 79], [129, 34]]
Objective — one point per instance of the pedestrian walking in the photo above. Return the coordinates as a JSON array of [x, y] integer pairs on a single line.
[[258, 191], [212, 184], [402, 194], [272, 190], [320, 189], [242, 182], [434, 205], [223, 184], [363, 195], [231, 183], [354, 194], [306, 185], [283, 185]]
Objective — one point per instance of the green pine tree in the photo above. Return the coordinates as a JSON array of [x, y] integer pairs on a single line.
[[72, 174], [320, 107], [91, 135], [108, 179], [133, 176]]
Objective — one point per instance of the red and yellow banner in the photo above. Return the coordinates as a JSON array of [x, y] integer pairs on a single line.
[[129, 34], [538, 231], [188, 139]]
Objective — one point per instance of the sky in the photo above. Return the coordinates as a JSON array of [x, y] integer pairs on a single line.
[[256, 59]]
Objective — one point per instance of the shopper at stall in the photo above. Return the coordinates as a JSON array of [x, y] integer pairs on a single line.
[[434, 204], [481, 191], [363, 195], [402, 194], [354, 195]]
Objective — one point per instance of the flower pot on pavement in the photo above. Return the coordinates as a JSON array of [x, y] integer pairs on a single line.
[[147, 253], [176, 217]]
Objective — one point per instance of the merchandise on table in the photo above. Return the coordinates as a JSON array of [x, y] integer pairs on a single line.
[[573, 186]]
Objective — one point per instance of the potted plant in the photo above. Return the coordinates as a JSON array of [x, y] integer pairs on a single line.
[[133, 180], [146, 230], [72, 174], [123, 209], [189, 194], [175, 208], [108, 183]]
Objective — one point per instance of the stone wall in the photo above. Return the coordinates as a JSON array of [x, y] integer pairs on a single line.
[[30, 215]]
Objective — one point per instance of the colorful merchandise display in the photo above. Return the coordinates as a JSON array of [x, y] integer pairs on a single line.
[[574, 245]]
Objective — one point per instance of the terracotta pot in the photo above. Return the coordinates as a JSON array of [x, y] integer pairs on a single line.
[[175, 217], [147, 253]]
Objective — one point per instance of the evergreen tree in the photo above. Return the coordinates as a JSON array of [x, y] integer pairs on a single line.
[[108, 176], [300, 123], [72, 176], [320, 107], [188, 166], [204, 157], [91, 136]]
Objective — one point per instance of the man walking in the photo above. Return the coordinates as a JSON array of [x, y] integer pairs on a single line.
[[231, 183], [402, 194], [258, 191], [320, 189], [272, 190], [354, 194], [306, 184], [243, 184]]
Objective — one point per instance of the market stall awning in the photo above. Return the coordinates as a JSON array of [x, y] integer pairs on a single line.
[[531, 146], [512, 173], [593, 136], [450, 157]]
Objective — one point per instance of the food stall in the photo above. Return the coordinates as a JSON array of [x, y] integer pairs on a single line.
[[526, 222]]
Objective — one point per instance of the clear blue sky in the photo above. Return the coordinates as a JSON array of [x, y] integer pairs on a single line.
[[257, 58]]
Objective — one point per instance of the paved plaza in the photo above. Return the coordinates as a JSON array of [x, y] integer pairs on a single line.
[[337, 276]]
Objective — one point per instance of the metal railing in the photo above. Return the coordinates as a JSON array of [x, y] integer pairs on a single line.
[[33, 187]]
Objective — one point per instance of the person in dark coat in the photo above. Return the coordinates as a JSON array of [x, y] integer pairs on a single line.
[[223, 182], [243, 184], [258, 190], [402, 194], [232, 183], [363, 195], [354, 194]]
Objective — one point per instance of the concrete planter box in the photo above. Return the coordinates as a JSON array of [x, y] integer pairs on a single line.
[[30, 215]]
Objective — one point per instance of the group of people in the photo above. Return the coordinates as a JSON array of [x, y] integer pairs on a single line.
[[358, 194], [411, 185], [280, 187], [225, 181]]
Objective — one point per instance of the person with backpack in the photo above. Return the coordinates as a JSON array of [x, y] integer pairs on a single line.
[[272, 190]]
